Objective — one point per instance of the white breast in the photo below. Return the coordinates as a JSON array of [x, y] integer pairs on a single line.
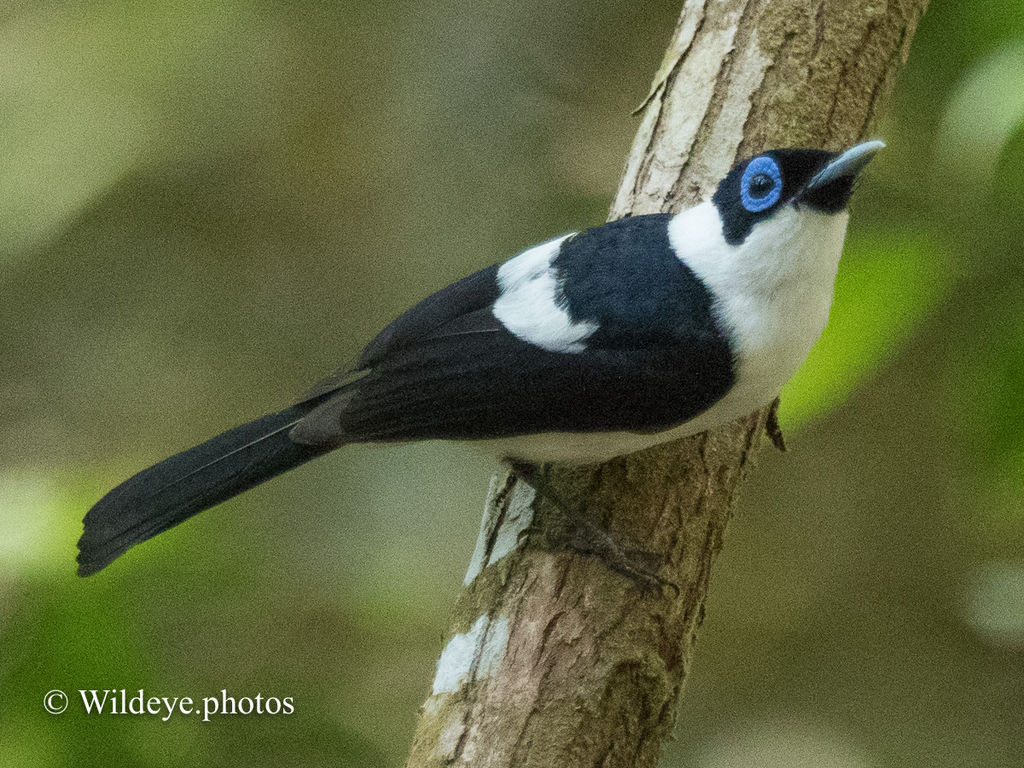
[[773, 292]]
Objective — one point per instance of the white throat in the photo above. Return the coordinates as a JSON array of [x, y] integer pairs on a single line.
[[773, 292]]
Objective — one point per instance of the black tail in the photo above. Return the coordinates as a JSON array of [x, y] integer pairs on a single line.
[[172, 491]]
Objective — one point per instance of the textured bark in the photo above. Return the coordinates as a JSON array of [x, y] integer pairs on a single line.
[[552, 658]]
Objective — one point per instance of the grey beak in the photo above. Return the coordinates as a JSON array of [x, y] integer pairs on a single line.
[[848, 164]]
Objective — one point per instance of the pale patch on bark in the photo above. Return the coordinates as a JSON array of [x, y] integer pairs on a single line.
[[451, 736], [690, 21], [488, 522], [695, 76], [502, 525], [719, 153], [518, 516], [493, 650], [459, 658], [472, 655]]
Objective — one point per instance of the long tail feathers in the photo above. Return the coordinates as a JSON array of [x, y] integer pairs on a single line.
[[172, 491]]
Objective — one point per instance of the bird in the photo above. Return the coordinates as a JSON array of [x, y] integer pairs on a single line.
[[588, 346]]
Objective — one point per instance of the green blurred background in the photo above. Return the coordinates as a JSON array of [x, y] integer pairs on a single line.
[[206, 206]]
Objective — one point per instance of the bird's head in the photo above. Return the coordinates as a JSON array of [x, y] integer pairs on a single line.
[[776, 224], [757, 189]]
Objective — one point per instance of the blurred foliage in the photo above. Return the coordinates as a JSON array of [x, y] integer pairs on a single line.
[[205, 206], [887, 284]]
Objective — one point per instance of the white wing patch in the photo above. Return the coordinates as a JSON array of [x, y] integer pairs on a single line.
[[531, 305]]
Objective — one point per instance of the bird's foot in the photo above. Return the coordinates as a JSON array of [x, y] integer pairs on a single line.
[[638, 564], [578, 533]]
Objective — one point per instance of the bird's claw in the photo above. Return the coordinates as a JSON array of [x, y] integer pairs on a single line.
[[639, 565], [578, 533]]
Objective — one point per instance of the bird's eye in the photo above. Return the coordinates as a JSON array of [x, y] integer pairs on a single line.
[[761, 185]]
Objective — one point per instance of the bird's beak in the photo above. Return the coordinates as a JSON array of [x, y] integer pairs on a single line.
[[846, 166]]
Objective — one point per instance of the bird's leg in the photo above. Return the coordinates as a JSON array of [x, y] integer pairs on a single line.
[[586, 537]]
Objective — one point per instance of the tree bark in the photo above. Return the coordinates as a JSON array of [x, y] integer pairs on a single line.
[[552, 658]]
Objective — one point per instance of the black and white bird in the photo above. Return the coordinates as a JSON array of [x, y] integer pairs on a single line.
[[589, 346]]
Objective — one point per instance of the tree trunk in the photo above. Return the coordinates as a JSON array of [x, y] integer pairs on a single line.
[[552, 658]]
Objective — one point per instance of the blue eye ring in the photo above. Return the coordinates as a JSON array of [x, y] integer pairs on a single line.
[[761, 166]]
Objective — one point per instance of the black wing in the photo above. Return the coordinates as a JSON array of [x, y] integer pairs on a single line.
[[459, 299], [477, 386], [448, 369]]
